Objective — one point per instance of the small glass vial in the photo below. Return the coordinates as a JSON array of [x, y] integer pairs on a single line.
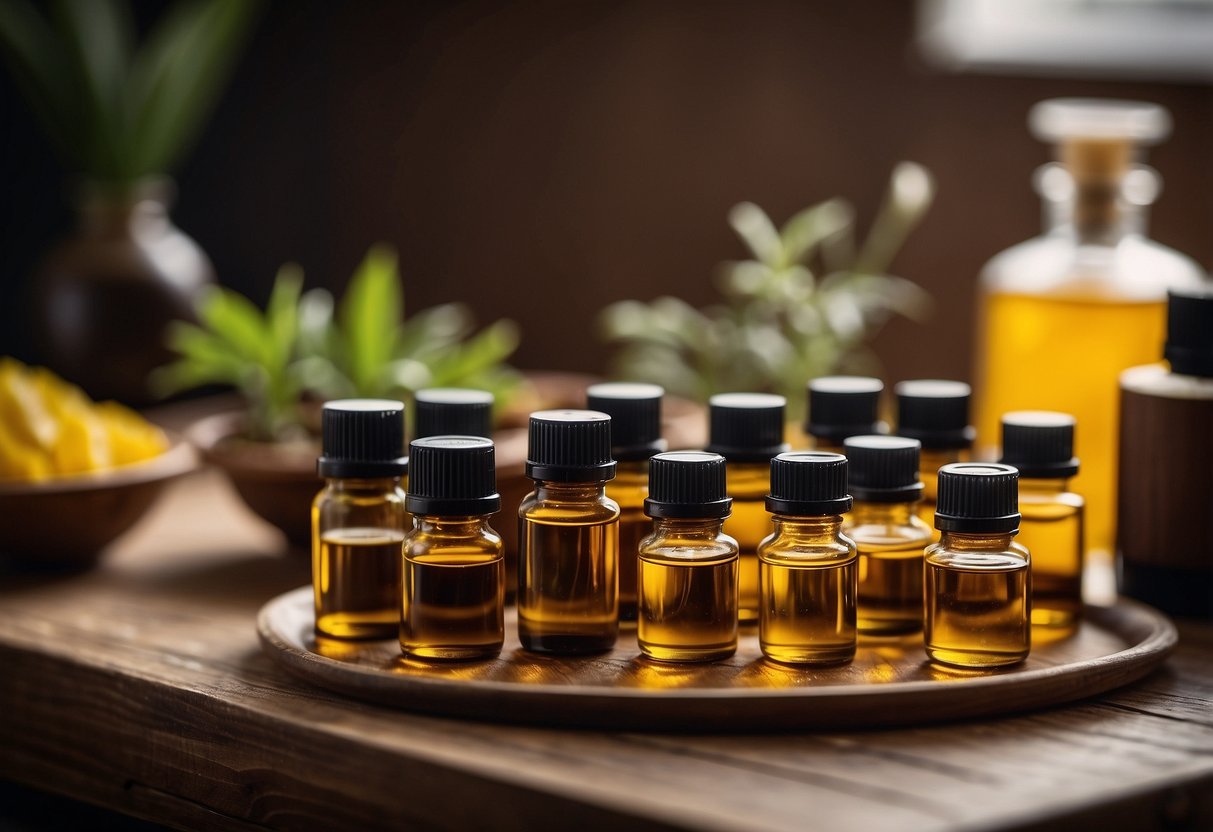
[[747, 430], [978, 581], [1040, 445], [688, 565], [885, 526], [808, 567], [635, 411], [936, 413], [568, 533], [453, 411], [453, 579], [359, 519], [841, 407]]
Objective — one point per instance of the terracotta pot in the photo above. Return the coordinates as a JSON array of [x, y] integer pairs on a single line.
[[104, 295]]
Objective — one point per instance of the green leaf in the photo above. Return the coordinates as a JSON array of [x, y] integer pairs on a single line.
[[758, 233], [808, 229], [235, 319], [369, 316], [910, 193], [282, 314]]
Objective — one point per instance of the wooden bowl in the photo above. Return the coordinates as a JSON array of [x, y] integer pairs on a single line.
[[66, 522]]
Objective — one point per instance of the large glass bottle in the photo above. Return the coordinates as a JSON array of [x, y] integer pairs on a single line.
[[1061, 315]]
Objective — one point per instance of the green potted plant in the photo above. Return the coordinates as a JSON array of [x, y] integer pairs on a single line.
[[306, 348], [121, 114]]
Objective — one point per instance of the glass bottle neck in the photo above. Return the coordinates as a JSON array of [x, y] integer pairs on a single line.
[[373, 485], [569, 492], [969, 542], [883, 514], [689, 528], [1043, 487], [818, 529], [453, 526]]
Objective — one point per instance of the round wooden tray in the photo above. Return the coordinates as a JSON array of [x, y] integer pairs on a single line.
[[889, 683]]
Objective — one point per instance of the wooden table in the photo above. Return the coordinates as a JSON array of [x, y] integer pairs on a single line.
[[140, 686]]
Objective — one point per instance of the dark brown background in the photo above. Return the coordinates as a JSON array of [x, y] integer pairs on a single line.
[[539, 160]]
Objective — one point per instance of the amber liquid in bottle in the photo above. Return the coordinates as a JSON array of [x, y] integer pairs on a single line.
[[568, 598], [978, 601], [891, 540], [749, 524], [688, 585], [628, 489], [808, 578], [453, 596], [357, 582], [1052, 530]]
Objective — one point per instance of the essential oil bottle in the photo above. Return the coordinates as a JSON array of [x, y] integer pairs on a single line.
[[978, 580], [808, 567], [841, 407], [885, 526], [688, 565], [635, 411], [453, 411], [747, 430], [568, 533], [936, 413], [453, 596], [1040, 445], [359, 519]]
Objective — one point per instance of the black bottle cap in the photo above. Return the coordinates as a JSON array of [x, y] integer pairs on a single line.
[[1039, 443], [843, 406], [452, 476], [453, 411], [935, 412], [746, 427], [1189, 347], [883, 469], [687, 484], [635, 411], [809, 484], [570, 446], [362, 438], [977, 497]]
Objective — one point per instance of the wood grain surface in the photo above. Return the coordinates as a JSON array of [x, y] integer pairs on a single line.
[[141, 686]]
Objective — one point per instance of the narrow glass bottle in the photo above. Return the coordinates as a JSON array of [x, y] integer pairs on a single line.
[[841, 407], [1040, 445], [453, 411], [808, 567], [978, 580], [635, 411], [453, 578], [688, 565], [568, 533], [936, 413], [359, 519], [747, 430], [891, 538]]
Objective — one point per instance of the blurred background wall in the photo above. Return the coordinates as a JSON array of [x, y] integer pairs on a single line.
[[539, 160]]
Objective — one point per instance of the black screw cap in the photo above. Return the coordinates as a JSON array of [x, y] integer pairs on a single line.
[[1039, 443], [809, 484], [687, 484], [935, 412], [977, 497], [843, 406], [884, 469], [635, 411], [454, 411], [452, 476], [746, 427], [570, 446], [1189, 347], [362, 438]]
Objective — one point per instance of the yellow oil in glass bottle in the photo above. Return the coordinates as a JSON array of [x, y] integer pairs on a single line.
[[936, 413], [688, 565], [808, 567], [841, 407], [747, 430], [1040, 445], [568, 536], [359, 519], [635, 411], [978, 580], [453, 573], [891, 538]]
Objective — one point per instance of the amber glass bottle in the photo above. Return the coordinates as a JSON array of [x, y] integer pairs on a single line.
[[891, 538], [359, 519], [453, 411], [978, 580], [807, 568], [936, 413], [568, 591], [841, 407], [1040, 445], [688, 565], [635, 411], [453, 596], [747, 430]]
